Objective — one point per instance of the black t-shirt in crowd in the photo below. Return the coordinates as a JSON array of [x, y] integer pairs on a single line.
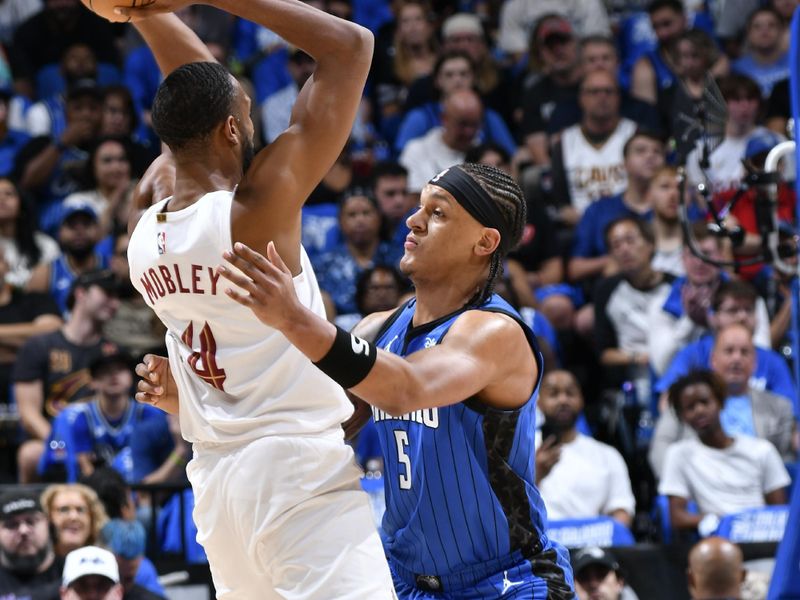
[[40, 586], [23, 308]]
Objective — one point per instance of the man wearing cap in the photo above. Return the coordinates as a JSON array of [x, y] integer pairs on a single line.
[[29, 569], [597, 575], [78, 235], [518, 18], [91, 573], [51, 167], [52, 369]]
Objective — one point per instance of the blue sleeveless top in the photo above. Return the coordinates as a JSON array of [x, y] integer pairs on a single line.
[[459, 479]]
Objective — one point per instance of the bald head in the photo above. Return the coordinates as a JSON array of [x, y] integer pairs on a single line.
[[715, 569], [462, 115]]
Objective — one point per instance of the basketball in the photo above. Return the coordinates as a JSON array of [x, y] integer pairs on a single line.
[[105, 8]]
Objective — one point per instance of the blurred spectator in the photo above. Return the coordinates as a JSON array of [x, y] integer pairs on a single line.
[[465, 32], [134, 325], [715, 569], [519, 17], [746, 411], [722, 474], [52, 369], [775, 287], [410, 55], [362, 247], [25, 247], [276, 109], [91, 573], [78, 236], [554, 54], [336, 181], [681, 316], [11, 140], [51, 168], [127, 541], [577, 476], [445, 146], [42, 39], [121, 121], [22, 316], [107, 186], [598, 576], [663, 196], [113, 491], [378, 288], [454, 71], [656, 70], [99, 432], [588, 160], [76, 516], [28, 565], [765, 60], [734, 303], [599, 53], [46, 117], [622, 300], [390, 188], [785, 8], [643, 155], [725, 171]]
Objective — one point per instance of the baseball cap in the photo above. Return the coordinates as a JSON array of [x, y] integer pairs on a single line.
[[16, 502], [89, 560], [764, 141], [462, 23], [594, 556], [75, 207], [84, 87], [554, 26]]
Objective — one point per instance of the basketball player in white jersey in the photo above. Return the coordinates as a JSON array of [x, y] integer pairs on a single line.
[[278, 505]]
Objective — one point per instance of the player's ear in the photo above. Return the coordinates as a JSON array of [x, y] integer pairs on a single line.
[[231, 130], [488, 242]]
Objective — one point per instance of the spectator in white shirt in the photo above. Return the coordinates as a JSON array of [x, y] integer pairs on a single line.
[[577, 476], [722, 474]]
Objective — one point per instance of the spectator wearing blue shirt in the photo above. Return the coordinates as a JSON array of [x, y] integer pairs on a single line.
[[362, 247], [11, 140], [765, 61], [453, 71], [734, 303], [747, 411], [643, 154]]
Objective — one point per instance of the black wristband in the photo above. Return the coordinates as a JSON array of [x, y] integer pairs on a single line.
[[349, 360]]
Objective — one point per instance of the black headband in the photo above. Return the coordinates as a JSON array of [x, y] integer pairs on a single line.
[[469, 194]]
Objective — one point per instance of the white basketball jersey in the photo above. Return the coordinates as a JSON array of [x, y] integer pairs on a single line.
[[592, 172], [238, 379]]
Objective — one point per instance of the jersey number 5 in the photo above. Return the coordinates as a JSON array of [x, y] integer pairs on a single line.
[[204, 363], [401, 439]]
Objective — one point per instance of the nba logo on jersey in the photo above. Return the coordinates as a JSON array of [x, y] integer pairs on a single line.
[[161, 239]]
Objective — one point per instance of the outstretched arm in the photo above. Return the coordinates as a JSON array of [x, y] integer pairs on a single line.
[[484, 354], [172, 41]]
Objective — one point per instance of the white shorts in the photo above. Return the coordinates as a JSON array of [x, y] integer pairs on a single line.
[[285, 518]]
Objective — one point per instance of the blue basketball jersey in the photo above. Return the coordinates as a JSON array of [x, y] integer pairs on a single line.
[[461, 504]]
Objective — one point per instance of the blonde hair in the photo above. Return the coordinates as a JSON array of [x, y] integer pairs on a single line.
[[402, 59], [97, 511]]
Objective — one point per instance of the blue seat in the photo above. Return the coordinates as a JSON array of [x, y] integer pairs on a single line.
[[765, 524], [662, 518], [598, 531]]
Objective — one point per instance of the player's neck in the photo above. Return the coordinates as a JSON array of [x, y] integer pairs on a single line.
[[437, 299], [196, 178]]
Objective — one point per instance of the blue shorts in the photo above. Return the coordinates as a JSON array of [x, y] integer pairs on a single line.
[[548, 576]]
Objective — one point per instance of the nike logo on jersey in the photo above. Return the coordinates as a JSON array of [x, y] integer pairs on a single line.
[[508, 584]]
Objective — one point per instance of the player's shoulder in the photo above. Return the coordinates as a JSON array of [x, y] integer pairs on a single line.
[[487, 327]]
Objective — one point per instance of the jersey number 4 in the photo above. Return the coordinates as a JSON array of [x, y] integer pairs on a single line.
[[401, 439], [204, 363]]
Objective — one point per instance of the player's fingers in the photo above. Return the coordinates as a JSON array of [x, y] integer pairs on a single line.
[[247, 253], [145, 372], [240, 298], [250, 263], [153, 389], [275, 258], [145, 398], [241, 281]]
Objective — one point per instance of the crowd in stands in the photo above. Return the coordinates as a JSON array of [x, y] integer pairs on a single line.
[[665, 375]]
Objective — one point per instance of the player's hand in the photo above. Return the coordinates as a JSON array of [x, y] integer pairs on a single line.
[[157, 386], [266, 285], [154, 7]]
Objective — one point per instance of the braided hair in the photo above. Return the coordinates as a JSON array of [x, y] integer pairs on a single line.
[[507, 195]]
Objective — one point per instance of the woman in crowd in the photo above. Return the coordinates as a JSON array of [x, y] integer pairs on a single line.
[[76, 515]]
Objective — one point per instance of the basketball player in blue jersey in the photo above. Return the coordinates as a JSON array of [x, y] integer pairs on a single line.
[[452, 377]]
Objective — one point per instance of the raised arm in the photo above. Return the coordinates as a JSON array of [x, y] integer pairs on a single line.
[[172, 41]]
